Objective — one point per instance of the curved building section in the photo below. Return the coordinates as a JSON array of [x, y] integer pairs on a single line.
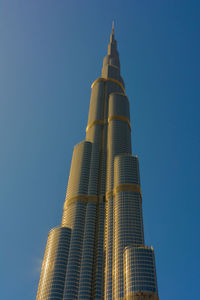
[[53, 271], [126, 170], [93, 184], [85, 282], [75, 251], [77, 191], [108, 244], [98, 266], [96, 110], [95, 124], [80, 170], [118, 142], [140, 273], [86, 269], [119, 133], [74, 214], [127, 211]]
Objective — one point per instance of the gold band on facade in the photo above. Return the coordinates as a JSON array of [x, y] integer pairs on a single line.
[[99, 122], [110, 79], [118, 117], [109, 194], [126, 187], [81, 198], [115, 117]]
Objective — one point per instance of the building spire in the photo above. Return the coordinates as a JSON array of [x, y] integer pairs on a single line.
[[111, 64], [113, 25], [112, 38]]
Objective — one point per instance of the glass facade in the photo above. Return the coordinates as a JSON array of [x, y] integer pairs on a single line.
[[98, 252], [53, 271], [128, 224], [85, 282], [139, 270]]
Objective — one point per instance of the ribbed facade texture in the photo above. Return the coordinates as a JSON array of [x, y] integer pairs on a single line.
[[98, 252]]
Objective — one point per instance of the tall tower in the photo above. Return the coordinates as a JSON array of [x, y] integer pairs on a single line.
[[98, 251]]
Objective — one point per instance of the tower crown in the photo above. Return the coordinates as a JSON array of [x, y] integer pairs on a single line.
[[111, 63]]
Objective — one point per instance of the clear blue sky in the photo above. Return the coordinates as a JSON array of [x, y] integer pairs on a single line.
[[51, 51]]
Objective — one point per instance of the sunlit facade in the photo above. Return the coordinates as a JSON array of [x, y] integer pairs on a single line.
[[98, 252]]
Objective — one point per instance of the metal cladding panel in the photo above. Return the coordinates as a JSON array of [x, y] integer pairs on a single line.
[[94, 134], [98, 267], [113, 87], [119, 105], [128, 223], [78, 180], [75, 251], [96, 103], [112, 57], [119, 135], [68, 215], [112, 49], [109, 250], [126, 170], [94, 171], [80, 170], [53, 271], [108, 59], [85, 282], [128, 229], [139, 271], [102, 181], [110, 71], [118, 142]]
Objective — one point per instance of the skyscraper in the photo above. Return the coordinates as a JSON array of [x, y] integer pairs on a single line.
[[98, 251]]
